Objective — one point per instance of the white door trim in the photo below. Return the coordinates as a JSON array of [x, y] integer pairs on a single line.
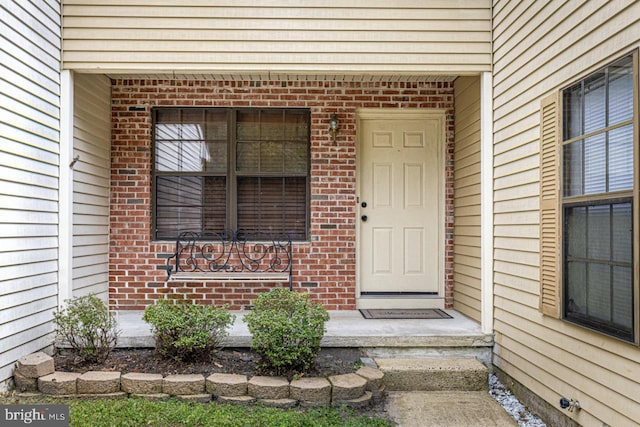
[[398, 301]]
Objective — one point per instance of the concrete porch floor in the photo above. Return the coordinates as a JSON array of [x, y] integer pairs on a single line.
[[456, 337]]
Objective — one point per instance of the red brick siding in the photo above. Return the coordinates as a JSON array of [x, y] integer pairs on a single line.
[[325, 266]]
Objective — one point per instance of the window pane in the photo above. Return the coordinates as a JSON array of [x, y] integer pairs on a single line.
[[621, 158], [179, 124], [191, 156], [247, 156], [599, 292], [594, 103], [296, 125], [599, 232], [576, 234], [179, 155], [272, 156], [179, 190], [171, 221], [248, 125], [623, 298], [190, 140], [595, 165], [280, 146], [621, 91], [189, 203], [296, 157], [179, 115], [272, 205], [215, 158], [215, 204], [178, 131], [178, 201], [572, 112], [622, 233], [168, 115], [217, 136], [572, 169], [216, 124], [271, 125], [576, 292]]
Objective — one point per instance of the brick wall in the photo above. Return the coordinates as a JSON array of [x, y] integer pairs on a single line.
[[325, 266]]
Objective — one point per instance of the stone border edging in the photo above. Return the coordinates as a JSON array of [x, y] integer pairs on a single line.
[[36, 372]]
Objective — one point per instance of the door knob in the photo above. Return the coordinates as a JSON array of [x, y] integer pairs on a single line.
[[363, 204], [364, 218]]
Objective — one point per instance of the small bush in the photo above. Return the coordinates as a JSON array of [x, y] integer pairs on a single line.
[[287, 328], [88, 327], [187, 331]]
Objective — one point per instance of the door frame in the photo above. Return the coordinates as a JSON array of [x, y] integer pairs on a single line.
[[400, 301]]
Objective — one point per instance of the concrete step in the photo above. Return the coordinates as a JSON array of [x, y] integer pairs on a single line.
[[435, 374], [446, 409]]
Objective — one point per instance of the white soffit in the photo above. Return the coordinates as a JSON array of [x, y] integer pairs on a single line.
[[368, 78]]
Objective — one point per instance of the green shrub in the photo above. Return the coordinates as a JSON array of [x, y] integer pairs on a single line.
[[88, 327], [287, 328], [187, 331]]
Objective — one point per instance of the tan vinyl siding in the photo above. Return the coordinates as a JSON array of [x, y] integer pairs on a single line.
[[314, 36], [466, 258], [539, 48], [29, 128], [91, 174]]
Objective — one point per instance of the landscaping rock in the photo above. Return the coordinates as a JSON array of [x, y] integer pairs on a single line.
[[236, 400], [24, 383], [359, 403], [178, 385], [198, 398], [279, 403], [227, 385], [375, 381], [98, 382], [59, 383], [142, 384], [36, 365], [311, 391], [268, 387], [373, 376], [153, 397], [347, 387]]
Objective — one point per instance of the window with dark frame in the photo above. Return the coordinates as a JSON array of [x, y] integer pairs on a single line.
[[598, 181], [219, 169]]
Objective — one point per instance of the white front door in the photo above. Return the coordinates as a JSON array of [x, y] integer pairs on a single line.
[[400, 206]]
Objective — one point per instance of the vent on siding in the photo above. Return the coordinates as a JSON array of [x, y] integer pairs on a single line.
[[549, 210]]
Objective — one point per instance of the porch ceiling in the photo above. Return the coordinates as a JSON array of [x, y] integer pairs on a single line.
[[277, 76]]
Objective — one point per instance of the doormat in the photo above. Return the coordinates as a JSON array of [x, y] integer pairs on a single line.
[[405, 313]]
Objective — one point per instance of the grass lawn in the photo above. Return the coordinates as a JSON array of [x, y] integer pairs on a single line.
[[139, 412]]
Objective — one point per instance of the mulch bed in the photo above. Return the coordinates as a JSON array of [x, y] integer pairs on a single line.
[[330, 361]]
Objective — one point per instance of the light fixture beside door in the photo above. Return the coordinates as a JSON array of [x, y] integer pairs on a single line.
[[334, 126]]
